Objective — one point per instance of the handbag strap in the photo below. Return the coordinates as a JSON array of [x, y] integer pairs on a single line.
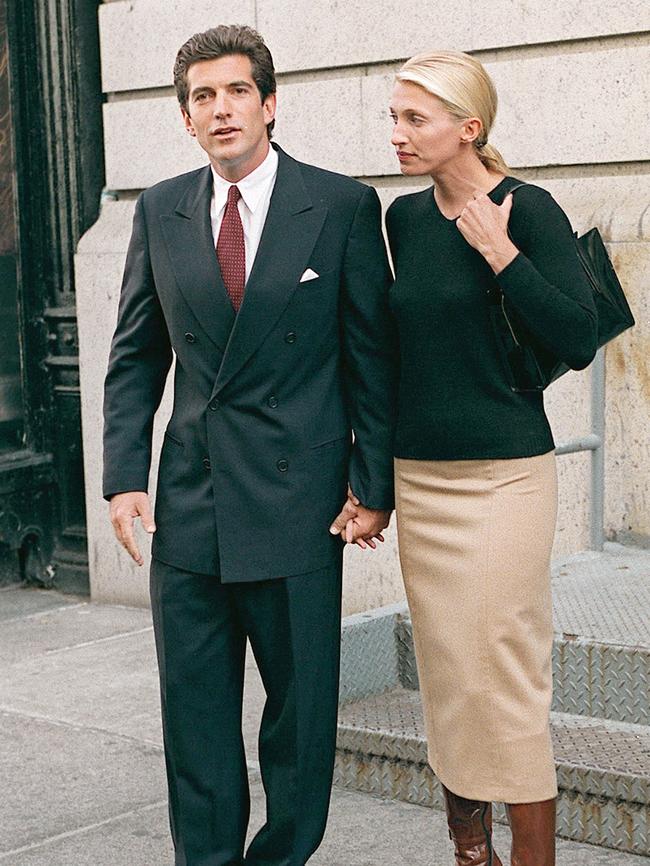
[[509, 192], [516, 186], [502, 300]]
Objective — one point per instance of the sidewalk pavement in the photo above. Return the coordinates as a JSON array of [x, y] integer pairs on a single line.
[[81, 763]]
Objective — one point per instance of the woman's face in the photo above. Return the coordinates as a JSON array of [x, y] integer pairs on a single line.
[[425, 135]]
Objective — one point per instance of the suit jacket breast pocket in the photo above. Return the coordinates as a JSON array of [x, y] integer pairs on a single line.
[[322, 280]]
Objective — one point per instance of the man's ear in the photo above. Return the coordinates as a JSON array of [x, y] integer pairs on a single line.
[[187, 120], [269, 105]]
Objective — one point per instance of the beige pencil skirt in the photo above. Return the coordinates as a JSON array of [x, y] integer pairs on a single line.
[[475, 540]]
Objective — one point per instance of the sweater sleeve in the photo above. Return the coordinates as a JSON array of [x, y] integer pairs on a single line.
[[370, 356], [545, 283]]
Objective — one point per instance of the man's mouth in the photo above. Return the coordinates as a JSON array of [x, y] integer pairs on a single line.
[[225, 131], [404, 154]]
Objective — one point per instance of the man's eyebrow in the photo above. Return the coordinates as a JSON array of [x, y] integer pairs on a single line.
[[200, 88]]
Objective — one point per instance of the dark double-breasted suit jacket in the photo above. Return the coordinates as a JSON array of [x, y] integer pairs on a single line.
[[259, 450]]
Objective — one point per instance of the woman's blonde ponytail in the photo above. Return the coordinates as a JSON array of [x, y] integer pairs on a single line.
[[492, 159]]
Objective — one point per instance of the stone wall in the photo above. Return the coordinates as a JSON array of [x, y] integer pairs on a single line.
[[573, 83]]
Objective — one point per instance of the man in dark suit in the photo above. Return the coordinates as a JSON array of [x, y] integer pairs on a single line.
[[267, 280]]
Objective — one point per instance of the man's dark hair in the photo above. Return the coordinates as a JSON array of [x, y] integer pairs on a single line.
[[221, 41]]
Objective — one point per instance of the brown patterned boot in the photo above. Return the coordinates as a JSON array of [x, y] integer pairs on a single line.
[[533, 833], [470, 829]]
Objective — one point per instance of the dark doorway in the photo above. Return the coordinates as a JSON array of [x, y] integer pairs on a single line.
[[11, 402], [51, 177]]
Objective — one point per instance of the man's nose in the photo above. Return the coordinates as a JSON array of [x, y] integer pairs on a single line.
[[221, 105]]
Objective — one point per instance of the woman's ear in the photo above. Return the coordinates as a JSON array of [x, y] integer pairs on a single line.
[[470, 130]]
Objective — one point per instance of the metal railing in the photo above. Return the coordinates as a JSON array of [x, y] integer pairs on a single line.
[[595, 443]]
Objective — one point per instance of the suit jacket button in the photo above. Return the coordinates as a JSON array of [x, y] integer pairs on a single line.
[[283, 465], [206, 463], [190, 337], [273, 402], [290, 337], [214, 404]]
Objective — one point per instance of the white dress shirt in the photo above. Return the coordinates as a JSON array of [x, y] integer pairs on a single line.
[[255, 189]]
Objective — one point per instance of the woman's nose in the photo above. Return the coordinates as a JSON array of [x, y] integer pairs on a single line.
[[398, 136]]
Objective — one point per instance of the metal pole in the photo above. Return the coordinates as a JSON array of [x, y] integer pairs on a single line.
[[597, 518], [590, 442]]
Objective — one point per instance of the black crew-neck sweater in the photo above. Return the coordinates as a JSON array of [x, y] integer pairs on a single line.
[[455, 400]]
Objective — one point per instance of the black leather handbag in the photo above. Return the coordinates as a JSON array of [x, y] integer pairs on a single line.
[[530, 366]]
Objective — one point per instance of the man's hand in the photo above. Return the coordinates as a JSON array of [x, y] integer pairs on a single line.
[[125, 507], [359, 525]]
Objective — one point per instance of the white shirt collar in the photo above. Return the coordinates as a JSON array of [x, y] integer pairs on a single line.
[[252, 187]]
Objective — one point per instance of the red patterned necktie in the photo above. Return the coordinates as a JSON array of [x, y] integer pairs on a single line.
[[231, 251]]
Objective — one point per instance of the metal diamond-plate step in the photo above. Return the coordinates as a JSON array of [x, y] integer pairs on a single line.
[[590, 678], [601, 654], [601, 660], [603, 767]]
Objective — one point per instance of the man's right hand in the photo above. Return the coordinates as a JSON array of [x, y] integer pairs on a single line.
[[125, 507]]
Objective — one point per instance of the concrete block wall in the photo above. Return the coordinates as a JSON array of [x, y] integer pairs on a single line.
[[572, 81]]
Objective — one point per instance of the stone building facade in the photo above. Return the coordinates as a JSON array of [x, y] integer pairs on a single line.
[[574, 88]]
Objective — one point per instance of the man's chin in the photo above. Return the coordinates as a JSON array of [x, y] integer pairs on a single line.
[[226, 152]]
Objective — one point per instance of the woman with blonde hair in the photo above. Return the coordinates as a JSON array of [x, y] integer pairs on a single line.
[[475, 469]]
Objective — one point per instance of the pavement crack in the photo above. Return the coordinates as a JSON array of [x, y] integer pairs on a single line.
[[51, 840], [76, 726], [98, 640], [40, 613]]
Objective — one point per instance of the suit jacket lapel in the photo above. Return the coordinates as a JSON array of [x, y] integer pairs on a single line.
[[291, 230], [188, 237]]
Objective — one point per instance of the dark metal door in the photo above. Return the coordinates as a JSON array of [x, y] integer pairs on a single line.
[[51, 176], [11, 409]]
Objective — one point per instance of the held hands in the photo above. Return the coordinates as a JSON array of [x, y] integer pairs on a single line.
[[124, 508], [484, 225], [359, 525]]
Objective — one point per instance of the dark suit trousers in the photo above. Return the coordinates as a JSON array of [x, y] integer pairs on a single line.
[[201, 627]]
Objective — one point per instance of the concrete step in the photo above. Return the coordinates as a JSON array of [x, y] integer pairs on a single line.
[[601, 654], [603, 767]]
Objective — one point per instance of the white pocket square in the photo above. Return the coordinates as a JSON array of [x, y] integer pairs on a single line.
[[308, 275]]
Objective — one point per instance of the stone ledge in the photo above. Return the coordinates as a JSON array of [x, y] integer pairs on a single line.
[[342, 123], [123, 23], [334, 34]]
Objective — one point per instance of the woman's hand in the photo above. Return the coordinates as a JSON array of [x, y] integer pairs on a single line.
[[359, 525], [484, 225]]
